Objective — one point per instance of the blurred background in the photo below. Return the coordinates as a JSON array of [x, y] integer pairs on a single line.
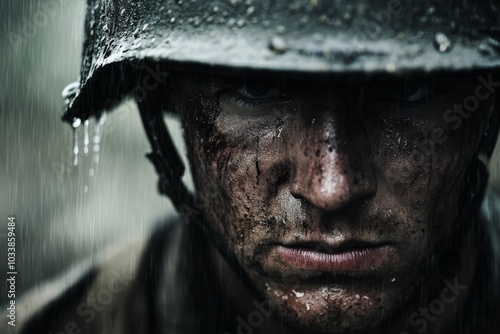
[[64, 215]]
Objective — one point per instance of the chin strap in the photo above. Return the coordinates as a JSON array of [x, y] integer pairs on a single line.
[[164, 156]]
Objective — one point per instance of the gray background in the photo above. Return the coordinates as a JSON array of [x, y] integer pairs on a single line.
[[58, 221]]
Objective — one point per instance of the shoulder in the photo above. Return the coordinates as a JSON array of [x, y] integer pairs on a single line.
[[484, 309], [109, 296], [491, 218]]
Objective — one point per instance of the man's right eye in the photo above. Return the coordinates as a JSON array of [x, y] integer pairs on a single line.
[[257, 91], [254, 99]]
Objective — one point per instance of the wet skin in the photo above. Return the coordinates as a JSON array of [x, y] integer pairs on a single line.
[[288, 166]]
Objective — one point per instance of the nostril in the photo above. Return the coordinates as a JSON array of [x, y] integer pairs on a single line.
[[298, 196], [283, 176]]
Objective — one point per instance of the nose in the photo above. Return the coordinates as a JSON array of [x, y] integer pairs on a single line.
[[332, 168]]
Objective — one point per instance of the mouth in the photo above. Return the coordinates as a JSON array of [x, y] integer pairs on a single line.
[[342, 258]]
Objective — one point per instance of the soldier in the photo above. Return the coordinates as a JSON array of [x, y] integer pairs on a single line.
[[339, 151]]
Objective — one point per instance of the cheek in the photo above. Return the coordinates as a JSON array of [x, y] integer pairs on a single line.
[[247, 172], [423, 163], [230, 183], [249, 168]]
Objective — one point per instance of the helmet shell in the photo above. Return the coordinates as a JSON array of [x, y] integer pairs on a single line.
[[304, 36]]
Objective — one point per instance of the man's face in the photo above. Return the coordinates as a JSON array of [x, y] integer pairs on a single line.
[[332, 195]]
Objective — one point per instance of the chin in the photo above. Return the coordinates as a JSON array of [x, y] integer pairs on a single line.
[[332, 321], [330, 308]]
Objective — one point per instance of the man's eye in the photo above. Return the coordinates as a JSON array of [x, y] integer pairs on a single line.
[[407, 92], [257, 91], [415, 93]]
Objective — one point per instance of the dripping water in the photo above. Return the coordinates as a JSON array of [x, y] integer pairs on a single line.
[[96, 141], [76, 124], [86, 140]]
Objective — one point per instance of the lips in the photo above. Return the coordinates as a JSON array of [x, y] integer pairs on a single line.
[[345, 257]]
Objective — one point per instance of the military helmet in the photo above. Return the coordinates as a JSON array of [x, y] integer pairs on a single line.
[[319, 36], [126, 38]]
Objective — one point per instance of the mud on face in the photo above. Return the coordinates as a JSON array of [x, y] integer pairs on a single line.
[[278, 162]]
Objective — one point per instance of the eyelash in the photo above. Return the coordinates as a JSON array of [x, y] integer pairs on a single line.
[[246, 102]]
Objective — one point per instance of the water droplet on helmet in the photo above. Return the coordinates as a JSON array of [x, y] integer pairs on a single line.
[[393, 279], [391, 68], [277, 44], [240, 23], [494, 42], [487, 51], [347, 17], [70, 91], [231, 22], [318, 38], [304, 20], [442, 42], [136, 46], [76, 123], [280, 29]]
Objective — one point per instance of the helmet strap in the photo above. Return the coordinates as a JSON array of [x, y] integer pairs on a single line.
[[164, 155]]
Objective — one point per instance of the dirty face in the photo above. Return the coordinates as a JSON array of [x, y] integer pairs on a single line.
[[332, 195]]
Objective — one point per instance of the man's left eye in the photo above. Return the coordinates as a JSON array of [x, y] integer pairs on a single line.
[[406, 92], [414, 92], [257, 91]]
